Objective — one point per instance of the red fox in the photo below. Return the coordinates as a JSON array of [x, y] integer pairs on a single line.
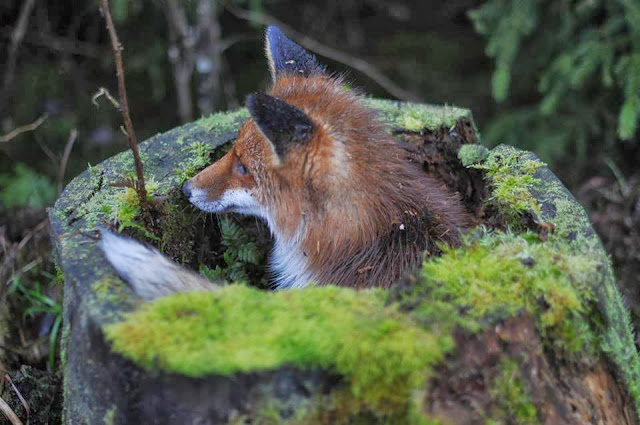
[[343, 204]]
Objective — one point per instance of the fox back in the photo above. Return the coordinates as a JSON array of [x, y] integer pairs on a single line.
[[341, 200]]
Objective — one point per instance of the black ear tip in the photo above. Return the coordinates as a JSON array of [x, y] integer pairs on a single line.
[[274, 33], [273, 30]]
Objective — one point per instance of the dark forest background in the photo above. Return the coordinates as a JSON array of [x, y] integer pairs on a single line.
[[558, 77]]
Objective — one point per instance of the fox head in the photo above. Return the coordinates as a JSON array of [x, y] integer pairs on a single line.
[[288, 157]]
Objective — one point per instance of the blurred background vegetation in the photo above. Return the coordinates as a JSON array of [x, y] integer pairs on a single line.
[[558, 77]]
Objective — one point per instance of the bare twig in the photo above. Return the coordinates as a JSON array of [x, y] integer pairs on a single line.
[[124, 107], [9, 413], [65, 158], [326, 51], [24, 269], [12, 54], [23, 129], [104, 92], [19, 394]]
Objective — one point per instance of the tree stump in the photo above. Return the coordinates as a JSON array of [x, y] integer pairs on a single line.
[[523, 323]]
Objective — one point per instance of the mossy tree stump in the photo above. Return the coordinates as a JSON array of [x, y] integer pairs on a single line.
[[521, 324]]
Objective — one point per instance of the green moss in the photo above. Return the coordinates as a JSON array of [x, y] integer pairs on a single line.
[[111, 290], [512, 398], [111, 299], [239, 329], [418, 117], [472, 154], [516, 178], [385, 354], [512, 176], [498, 275], [198, 159], [224, 121]]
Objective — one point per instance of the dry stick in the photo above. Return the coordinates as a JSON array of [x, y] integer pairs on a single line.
[[19, 394], [29, 127], [65, 158], [329, 52], [104, 92], [9, 413], [124, 108]]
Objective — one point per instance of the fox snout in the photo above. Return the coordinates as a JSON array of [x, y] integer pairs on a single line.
[[224, 186]]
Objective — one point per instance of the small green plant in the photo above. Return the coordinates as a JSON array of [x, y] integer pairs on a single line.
[[241, 254], [26, 188], [127, 211], [36, 302]]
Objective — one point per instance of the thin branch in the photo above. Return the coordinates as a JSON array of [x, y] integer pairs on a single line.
[[29, 127], [104, 92], [65, 158], [12, 55], [124, 108], [9, 413], [19, 394], [329, 52], [24, 269]]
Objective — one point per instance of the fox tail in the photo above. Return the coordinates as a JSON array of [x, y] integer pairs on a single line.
[[149, 273]]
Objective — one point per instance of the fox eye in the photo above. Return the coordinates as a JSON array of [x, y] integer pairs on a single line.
[[240, 168]]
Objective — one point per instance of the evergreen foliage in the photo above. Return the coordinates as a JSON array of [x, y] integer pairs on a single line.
[[240, 255], [582, 58]]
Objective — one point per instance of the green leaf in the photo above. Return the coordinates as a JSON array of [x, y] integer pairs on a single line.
[[628, 118], [500, 83]]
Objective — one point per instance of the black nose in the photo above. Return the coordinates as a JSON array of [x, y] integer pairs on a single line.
[[186, 188]]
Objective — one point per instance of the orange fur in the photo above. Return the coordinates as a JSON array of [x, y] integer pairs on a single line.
[[361, 214]]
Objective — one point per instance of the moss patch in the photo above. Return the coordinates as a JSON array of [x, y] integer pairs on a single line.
[[472, 154], [384, 349], [418, 117], [502, 273], [239, 329], [224, 121], [512, 175], [514, 402]]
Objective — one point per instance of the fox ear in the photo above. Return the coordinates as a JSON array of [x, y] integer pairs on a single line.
[[284, 125], [286, 57]]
